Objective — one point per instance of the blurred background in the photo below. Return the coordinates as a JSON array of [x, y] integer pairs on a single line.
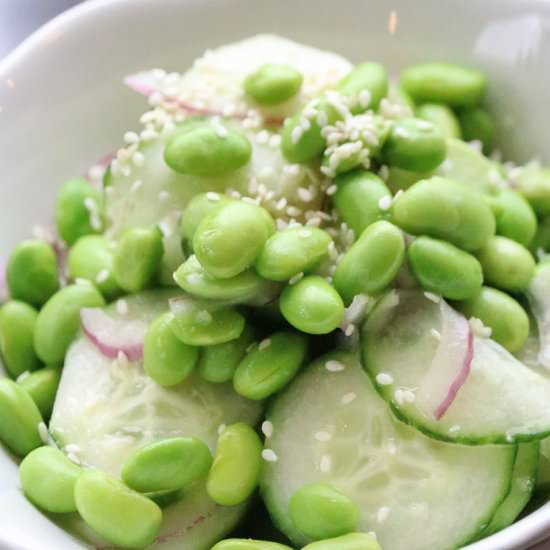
[[18, 18]]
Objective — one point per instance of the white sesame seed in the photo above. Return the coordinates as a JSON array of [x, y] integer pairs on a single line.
[[349, 330], [43, 432], [384, 172], [304, 233], [424, 125], [293, 280], [122, 306], [267, 428], [334, 366], [384, 379], [296, 134], [347, 398], [454, 429], [364, 98], [314, 222], [22, 376], [479, 329], [138, 158], [331, 190], [384, 203], [262, 137], [73, 458], [221, 428], [325, 464], [264, 344], [269, 455], [72, 448], [102, 276], [131, 137], [304, 194], [323, 436], [292, 169], [203, 317], [122, 359], [211, 196], [432, 297], [382, 514], [435, 333], [293, 211]]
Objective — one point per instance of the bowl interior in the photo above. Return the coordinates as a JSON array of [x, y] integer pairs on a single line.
[[63, 105]]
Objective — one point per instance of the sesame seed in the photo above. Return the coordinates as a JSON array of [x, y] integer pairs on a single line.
[[264, 344], [131, 137], [262, 137], [304, 194], [364, 98], [275, 141], [281, 204], [138, 158], [73, 458], [221, 428], [348, 398], [435, 333], [43, 432], [454, 429], [384, 203], [334, 366], [397, 195], [349, 330], [384, 379], [122, 306], [296, 135], [382, 514], [72, 448], [325, 464], [331, 190], [424, 125], [478, 328], [293, 211], [203, 317], [314, 222], [433, 297], [401, 132], [384, 172], [22, 376], [267, 428], [269, 455], [323, 436], [292, 169], [211, 196], [102, 276], [121, 359]]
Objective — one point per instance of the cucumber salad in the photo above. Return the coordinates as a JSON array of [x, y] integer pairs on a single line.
[[305, 306]]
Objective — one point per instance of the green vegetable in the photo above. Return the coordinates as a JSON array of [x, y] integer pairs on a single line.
[[477, 124], [365, 77], [442, 118], [270, 365], [17, 322], [312, 306], [166, 359], [273, 84], [48, 479], [198, 208], [248, 544], [236, 469], [58, 321], [42, 387], [31, 273], [533, 182], [353, 541], [167, 465]]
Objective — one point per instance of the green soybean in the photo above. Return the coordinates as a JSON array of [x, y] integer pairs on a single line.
[[166, 359], [365, 77], [533, 182], [19, 419], [249, 544], [291, 251], [508, 321], [414, 144], [91, 258], [357, 198], [372, 262], [321, 511], [17, 322], [229, 240], [42, 387], [353, 541], [137, 258], [202, 323], [506, 264], [447, 210], [477, 124], [541, 240], [397, 94], [78, 210], [442, 118], [444, 269], [270, 365], [167, 465], [48, 479], [198, 208], [236, 469], [217, 363], [207, 151], [273, 84], [515, 217], [118, 514], [312, 305], [58, 321], [453, 85], [31, 273], [399, 179]]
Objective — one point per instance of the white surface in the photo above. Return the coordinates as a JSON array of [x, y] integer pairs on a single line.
[[62, 106]]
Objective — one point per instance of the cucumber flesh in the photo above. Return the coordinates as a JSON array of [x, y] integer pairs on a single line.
[[539, 301], [413, 492], [501, 401]]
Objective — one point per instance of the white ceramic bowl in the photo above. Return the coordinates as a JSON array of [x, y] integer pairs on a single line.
[[62, 105]]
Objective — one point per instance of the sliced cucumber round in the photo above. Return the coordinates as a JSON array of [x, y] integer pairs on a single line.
[[106, 409], [501, 400], [413, 492]]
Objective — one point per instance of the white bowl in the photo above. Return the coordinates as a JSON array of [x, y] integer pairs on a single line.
[[62, 105]]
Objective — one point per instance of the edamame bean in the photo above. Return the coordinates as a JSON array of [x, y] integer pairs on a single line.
[[202, 323], [273, 84], [357, 197], [399, 179], [137, 258], [369, 79], [17, 321], [118, 514], [91, 258], [372, 262], [442, 118], [454, 85], [321, 511], [236, 469], [271, 365], [312, 306], [291, 251], [198, 208], [447, 210], [508, 321], [477, 124], [31, 273], [167, 465], [444, 269], [48, 479], [42, 387], [228, 240], [218, 363], [249, 544], [506, 264], [353, 541], [58, 321], [78, 210], [207, 151], [541, 240], [19, 418], [533, 182], [515, 217], [414, 144], [166, 359]]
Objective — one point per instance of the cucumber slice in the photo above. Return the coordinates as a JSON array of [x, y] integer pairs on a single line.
[[501, 401], [543, 474], [105, 410], [413, 492], [539, 301]]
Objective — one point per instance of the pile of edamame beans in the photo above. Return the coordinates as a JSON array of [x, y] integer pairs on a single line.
[[257, 293]]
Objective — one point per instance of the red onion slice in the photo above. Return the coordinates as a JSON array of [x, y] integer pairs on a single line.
[[111, 335]]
